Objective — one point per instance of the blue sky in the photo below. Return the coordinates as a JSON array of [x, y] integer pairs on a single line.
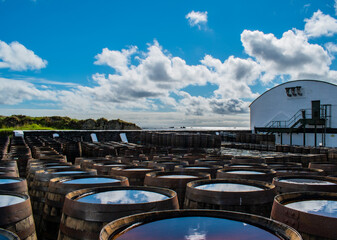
[[159, 63]]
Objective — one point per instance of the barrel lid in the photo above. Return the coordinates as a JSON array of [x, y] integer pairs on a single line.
[[91, 180], [9, 180], [322, 207], [228, 187], [197, 224], [123, 196], [8, 200]]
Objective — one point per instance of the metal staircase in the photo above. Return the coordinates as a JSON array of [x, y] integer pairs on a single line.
[[303, 121]]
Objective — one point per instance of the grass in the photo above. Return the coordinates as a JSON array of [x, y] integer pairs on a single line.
[[33, 126]]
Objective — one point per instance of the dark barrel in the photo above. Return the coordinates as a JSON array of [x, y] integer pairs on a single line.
[[197, 224], [40, 187], [239, 195], [135, 174], [258, 174], [13, 184], [288, 171], [329, 168], [205, 168], [305, 183], [86, 211], [59, 187], [174, 180], [312, 214], [16, 215], [8, 235]]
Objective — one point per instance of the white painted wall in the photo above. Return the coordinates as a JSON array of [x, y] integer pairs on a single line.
[[276, 105]]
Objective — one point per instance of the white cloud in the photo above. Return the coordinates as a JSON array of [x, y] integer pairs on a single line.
[[320, 25], [292, 54], [197, 18], [331, 48], [17, 57], [16, 91]]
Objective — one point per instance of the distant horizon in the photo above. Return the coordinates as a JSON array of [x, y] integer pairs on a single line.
[[159, 64]]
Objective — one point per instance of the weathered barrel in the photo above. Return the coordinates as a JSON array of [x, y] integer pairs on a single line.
[[16, 215], [239, 195], [197, 224], [258, 174], [40, 187], [8, 173], [105, 167], [245, 165], [205, 168], [284, 165], [8, 235], [305, 183], [135, 174], [86, 211], [313, 214], [328, 168], [59, 187], [246, 159], [168, 165], [174, 180], [13, 184], [288, 171]]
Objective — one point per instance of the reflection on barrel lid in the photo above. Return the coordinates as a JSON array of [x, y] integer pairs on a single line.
[[196, 227], [91, 180], [228, 187], [8, 180], [306, 181], [127, 196], [7, 200], [244, 172], [327, 208], [177, 176]]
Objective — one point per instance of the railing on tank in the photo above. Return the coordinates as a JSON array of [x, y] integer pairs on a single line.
[[325, 113]]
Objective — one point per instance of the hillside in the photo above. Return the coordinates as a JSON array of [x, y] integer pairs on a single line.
[[56, 122]]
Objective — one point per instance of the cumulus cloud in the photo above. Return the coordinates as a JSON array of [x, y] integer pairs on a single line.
[[148, 85], [200, 106], [292, 54], [17, 57], [320, 25], [197, 18], [16, 91]]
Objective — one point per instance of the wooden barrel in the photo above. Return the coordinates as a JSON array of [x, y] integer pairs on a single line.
[[258, 174], [204, 168], [312, 214], [239, 195], [286, 165], [86, 211], [289, 171], [168, 165], [105, 167], [174, 180], [16, 212], [13, 184], [59, 187], [8, 173], [135, 174], [328, 168], [40, 187], [197, 224], [305, 183], [9, 165], [246, 159], [246, 165], [8, 235]]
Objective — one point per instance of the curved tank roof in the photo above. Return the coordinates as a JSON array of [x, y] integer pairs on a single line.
[[282, 84]]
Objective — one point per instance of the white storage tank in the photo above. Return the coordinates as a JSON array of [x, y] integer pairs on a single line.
[[301, 112]]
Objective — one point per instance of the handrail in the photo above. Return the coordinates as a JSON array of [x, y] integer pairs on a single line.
[[306, 113]]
